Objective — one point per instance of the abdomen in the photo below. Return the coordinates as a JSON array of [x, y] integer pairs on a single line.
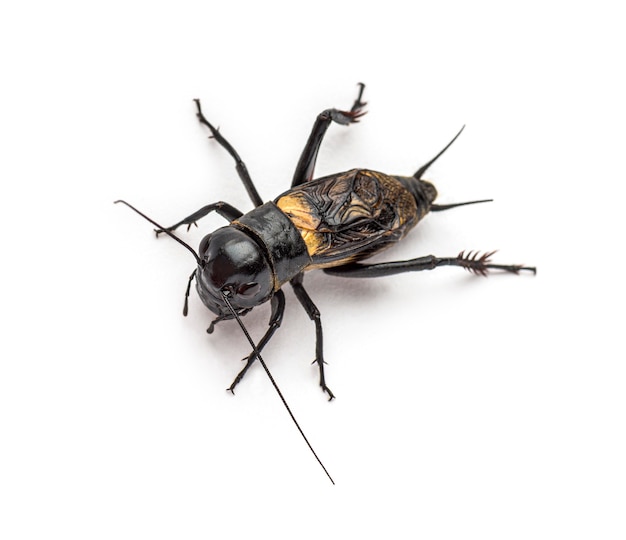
[[349, 216]]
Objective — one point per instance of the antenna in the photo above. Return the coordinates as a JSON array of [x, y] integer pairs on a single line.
[[163, 229], [280, 394]]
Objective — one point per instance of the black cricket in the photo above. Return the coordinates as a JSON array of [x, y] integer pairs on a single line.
[[330, 223]]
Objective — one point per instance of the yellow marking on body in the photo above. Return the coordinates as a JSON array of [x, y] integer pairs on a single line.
[[301, 214], [312, 240], [354, 197], [299, 211]]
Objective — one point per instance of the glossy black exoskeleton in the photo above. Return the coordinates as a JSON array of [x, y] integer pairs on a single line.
[[331, 223]]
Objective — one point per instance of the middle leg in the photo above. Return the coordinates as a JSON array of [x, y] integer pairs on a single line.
[[240, 166], [314, 315]]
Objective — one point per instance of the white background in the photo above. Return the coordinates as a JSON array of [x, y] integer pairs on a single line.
[[466, 407]]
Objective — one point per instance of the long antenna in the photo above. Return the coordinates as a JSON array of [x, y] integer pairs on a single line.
[[280, 394], [163, 229]]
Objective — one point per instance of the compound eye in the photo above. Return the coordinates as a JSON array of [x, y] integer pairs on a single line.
[[248, 289]]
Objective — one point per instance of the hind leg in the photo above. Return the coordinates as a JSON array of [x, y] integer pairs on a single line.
[[472, 262], [306, 164]]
